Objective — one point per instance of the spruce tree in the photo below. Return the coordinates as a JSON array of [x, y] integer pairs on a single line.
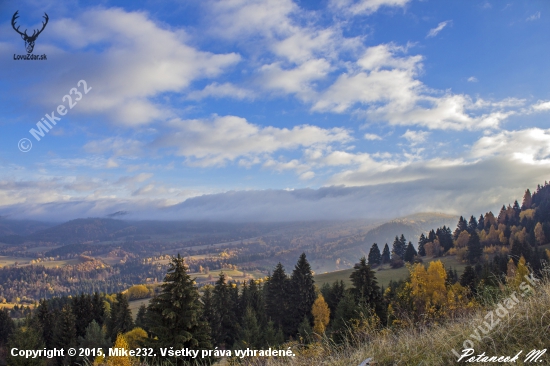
[[225, 317], [333, 294], [365, 288], [398, 247], [472, 224], [94, 338], [421, 242], [374, 255], [174, 317], [474, 248], [83, 311], [346, 312], [140, 317], [64, 334], [469, 279], [24, 338], [46, 321], [276, 298], [7, 326], [386, 254], [121, 317], [410, 253], [249, 335], [481, 223], [302, 291]]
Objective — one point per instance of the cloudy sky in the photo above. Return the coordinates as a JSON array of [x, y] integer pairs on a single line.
[[273, 109]]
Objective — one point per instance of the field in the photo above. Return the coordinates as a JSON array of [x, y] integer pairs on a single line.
[[384, 273]]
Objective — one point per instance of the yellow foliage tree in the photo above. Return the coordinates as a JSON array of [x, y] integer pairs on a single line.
[[511, 271], [138, 292], [135, 338], [521, 272], [120, 360], [428, 288], [539, 234], [321, 315]]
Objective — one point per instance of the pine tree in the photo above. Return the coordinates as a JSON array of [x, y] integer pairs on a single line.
[[374, 255], [386, 254], [174, 316], [365, 288], [276, 298], [302, 286], [410, 253], [474, 248], [421, 242]]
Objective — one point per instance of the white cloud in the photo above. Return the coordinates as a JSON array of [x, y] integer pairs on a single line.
[[372, 137], [472, 79], [415, 137], [535, 16], [541, 106], [138, 61], [225, 139], [225, 90], [357, 7], [435, 31], [117, 146]]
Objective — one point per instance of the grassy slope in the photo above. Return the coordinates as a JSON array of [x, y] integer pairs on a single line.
[[384, 274], [524, 328]]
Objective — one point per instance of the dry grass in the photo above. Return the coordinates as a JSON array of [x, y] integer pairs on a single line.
[[525, 327]]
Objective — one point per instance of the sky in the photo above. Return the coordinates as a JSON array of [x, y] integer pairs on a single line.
[[272, 110]]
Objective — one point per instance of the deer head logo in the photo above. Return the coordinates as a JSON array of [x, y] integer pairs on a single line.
[[29, 40]]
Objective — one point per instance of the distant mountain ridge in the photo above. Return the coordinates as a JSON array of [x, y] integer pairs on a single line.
[[410, 226]]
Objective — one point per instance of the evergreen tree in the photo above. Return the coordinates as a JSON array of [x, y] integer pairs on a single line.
[[140, 317], [7, 326], [346, 313], [83, 311], [225, 318], [386, 254], [480, 223], [302, 286], [249, 333], [460, 227], [94, 337], [398, 248], [474, 248], [469, 279], [46, 322], [431, 236], [421, 242], [276, 298], [520, 249], [374, 255], [445, 238], [365, 288], [64, 334], [472, 224], [174, 316], [24, 338], [98, 306], [333, 294], [410, 253], [121, 317], [305, 331]]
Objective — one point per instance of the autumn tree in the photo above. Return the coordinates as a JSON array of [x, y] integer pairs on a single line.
[[539, 234], [526, 200], [374, 255], [321, 315], [122, 360]]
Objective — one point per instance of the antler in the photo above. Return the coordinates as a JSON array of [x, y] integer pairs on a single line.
[[15, 16], [43, 25]]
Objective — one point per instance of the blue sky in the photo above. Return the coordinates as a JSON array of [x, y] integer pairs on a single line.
[[275, 109]]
